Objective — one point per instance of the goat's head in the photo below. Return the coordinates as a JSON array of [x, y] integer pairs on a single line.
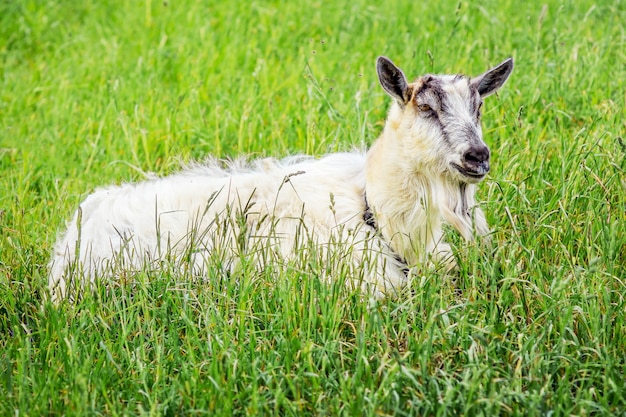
[[438, 118]]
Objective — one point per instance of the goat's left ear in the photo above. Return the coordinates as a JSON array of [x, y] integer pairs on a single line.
[[392, 79], [489, 82]]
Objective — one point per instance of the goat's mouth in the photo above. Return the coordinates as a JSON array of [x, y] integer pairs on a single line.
[[474, 173]]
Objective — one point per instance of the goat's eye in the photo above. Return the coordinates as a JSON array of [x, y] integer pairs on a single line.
[[424, 107], [479, 112]]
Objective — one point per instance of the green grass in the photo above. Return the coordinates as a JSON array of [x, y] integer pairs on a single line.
[[99, 92]]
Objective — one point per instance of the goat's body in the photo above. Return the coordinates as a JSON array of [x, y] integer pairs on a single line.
[[382, 210], [197, 210]]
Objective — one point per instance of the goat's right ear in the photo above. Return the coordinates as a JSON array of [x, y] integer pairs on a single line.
[[392, 80]]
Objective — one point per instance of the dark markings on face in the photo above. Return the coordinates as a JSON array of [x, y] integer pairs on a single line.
[[444, 133], [475, 100], [431, 88], [424, 86], [434, 115]]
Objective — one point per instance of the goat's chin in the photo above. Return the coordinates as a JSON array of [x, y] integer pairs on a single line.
[[466, 175]]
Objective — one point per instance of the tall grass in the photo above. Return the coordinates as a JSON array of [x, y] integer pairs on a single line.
[[99, 92]]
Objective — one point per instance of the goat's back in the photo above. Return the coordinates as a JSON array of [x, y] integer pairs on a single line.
[[210, 203]]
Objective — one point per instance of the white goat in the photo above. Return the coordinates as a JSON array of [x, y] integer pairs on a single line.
[[387, 205]]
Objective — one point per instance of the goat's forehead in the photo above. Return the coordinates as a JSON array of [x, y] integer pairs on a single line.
[[452, 86]]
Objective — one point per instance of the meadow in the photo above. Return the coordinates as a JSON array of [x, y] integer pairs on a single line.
[[104, 92]]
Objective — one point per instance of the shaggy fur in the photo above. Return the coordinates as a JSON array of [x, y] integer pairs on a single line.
[[386, 205]]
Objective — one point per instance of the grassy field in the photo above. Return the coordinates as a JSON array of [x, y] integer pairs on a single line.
[[100, 92]]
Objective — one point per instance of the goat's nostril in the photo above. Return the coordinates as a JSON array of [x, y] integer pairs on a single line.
[[476, 155]]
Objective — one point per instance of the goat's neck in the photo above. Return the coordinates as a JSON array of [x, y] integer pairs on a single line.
[[409, 204], [405, 201]]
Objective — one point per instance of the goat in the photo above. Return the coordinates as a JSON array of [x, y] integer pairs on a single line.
[[387, 204]]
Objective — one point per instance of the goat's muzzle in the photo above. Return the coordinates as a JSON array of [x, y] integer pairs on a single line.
[[475, 163]]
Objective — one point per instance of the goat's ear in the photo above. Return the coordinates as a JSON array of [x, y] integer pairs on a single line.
[[392, 80], [489, 82]]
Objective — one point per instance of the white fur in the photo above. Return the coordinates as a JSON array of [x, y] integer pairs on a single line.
[[277, 206]]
